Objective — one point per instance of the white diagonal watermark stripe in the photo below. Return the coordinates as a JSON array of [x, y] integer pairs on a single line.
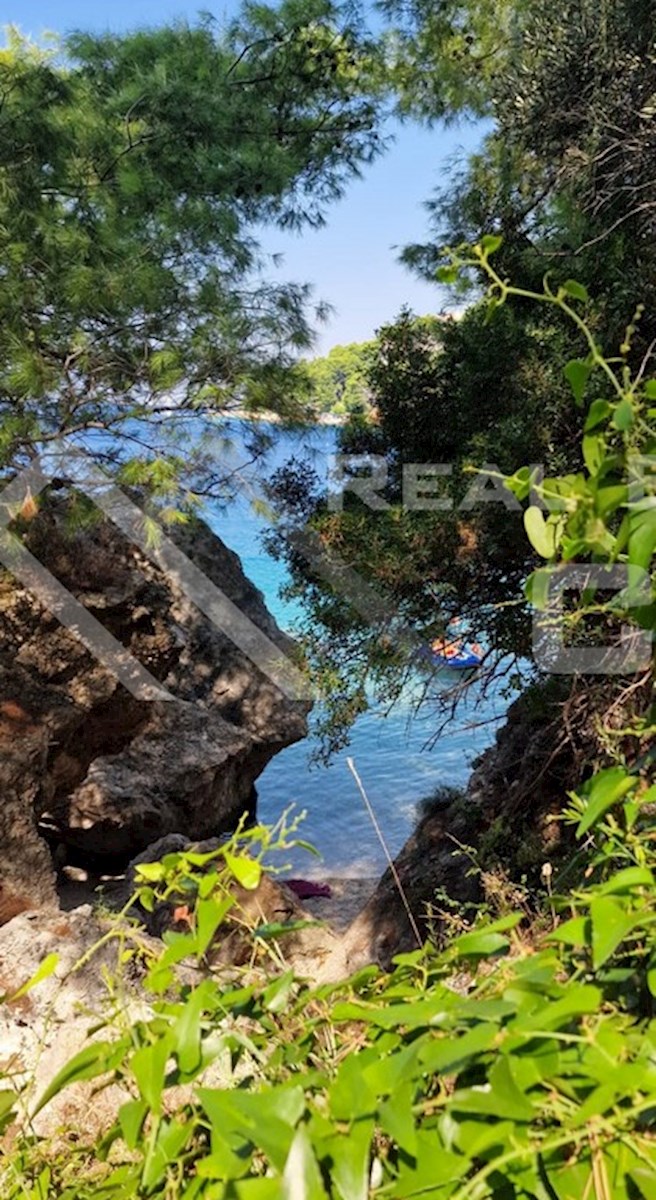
[[105, 648], [77, 466]]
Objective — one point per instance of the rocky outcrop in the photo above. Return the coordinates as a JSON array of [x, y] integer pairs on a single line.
[[501, 827], [491, 842], [43, 1029], [94, 769]]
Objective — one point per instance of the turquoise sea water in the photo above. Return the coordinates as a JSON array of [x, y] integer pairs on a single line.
[[390, 751]]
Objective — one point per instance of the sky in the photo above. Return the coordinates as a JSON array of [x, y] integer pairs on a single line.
[[351, 262]]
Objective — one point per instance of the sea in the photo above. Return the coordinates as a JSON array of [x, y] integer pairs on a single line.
[[397, 757]]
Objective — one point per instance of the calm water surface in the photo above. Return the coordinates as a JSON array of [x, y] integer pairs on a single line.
[[389, 750]]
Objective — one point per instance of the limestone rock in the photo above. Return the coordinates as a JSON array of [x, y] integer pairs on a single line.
[[90, 766], [42, 1030]]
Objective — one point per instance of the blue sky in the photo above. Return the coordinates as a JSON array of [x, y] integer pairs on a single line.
[[352, 261]]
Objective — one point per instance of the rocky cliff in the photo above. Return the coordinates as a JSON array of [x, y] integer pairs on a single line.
[[87, 766]]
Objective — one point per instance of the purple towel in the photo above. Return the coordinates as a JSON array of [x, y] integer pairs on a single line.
[[305, 889]]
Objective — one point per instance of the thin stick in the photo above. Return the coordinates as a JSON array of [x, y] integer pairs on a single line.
[[388, 856]]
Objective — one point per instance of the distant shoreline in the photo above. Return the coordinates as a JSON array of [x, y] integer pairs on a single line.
[[273, 418]]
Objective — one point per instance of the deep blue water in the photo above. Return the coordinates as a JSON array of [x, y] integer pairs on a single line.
[[389, 750]]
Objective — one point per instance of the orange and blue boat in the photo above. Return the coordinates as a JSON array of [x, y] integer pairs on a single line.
[[454, 653]]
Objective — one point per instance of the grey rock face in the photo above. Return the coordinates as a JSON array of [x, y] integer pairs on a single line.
[[85, 763]]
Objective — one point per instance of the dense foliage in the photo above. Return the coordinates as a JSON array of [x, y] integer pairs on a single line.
[[533, 1077], [133, 170], [339, 379], [566, 177]]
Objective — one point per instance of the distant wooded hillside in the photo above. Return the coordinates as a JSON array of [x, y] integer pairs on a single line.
[[341, 381]]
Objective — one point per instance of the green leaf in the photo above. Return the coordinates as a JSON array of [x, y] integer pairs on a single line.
[[147, 899], [384, 1075], [500, 1097], [247, 871], [210, 914], [520, 483], [484, 1139], [207, 883], [579, 1000], [250, 1189], [7, 1102], [577, 373], [571, 287], [598, 1102], [537, 587], [479, 944], [609, 499], [349, 1170], [131, 1117], [152, 872], [148, 1066], [350, 1097], [277, 995], [301, 1178], [277, 929], [594, 452], [604, 790], [575, 932], [232, 1132], [624, 415], [413, 1015], [642, 537], [534, 1062], [610, 925], [451, 1052], [644, 1178], [397, 1119], [265, 1118], [541, 536], [187, 1032], [431, 1173], [43, 972], [196, 859], [96, 1059], [490, 931], [516, 1104], [172, 1136], [491, 242], [627, 881], [178, 947], [597, 413]]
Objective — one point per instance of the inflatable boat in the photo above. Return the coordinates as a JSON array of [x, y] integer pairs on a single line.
[[460, 659], [454, 651]]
